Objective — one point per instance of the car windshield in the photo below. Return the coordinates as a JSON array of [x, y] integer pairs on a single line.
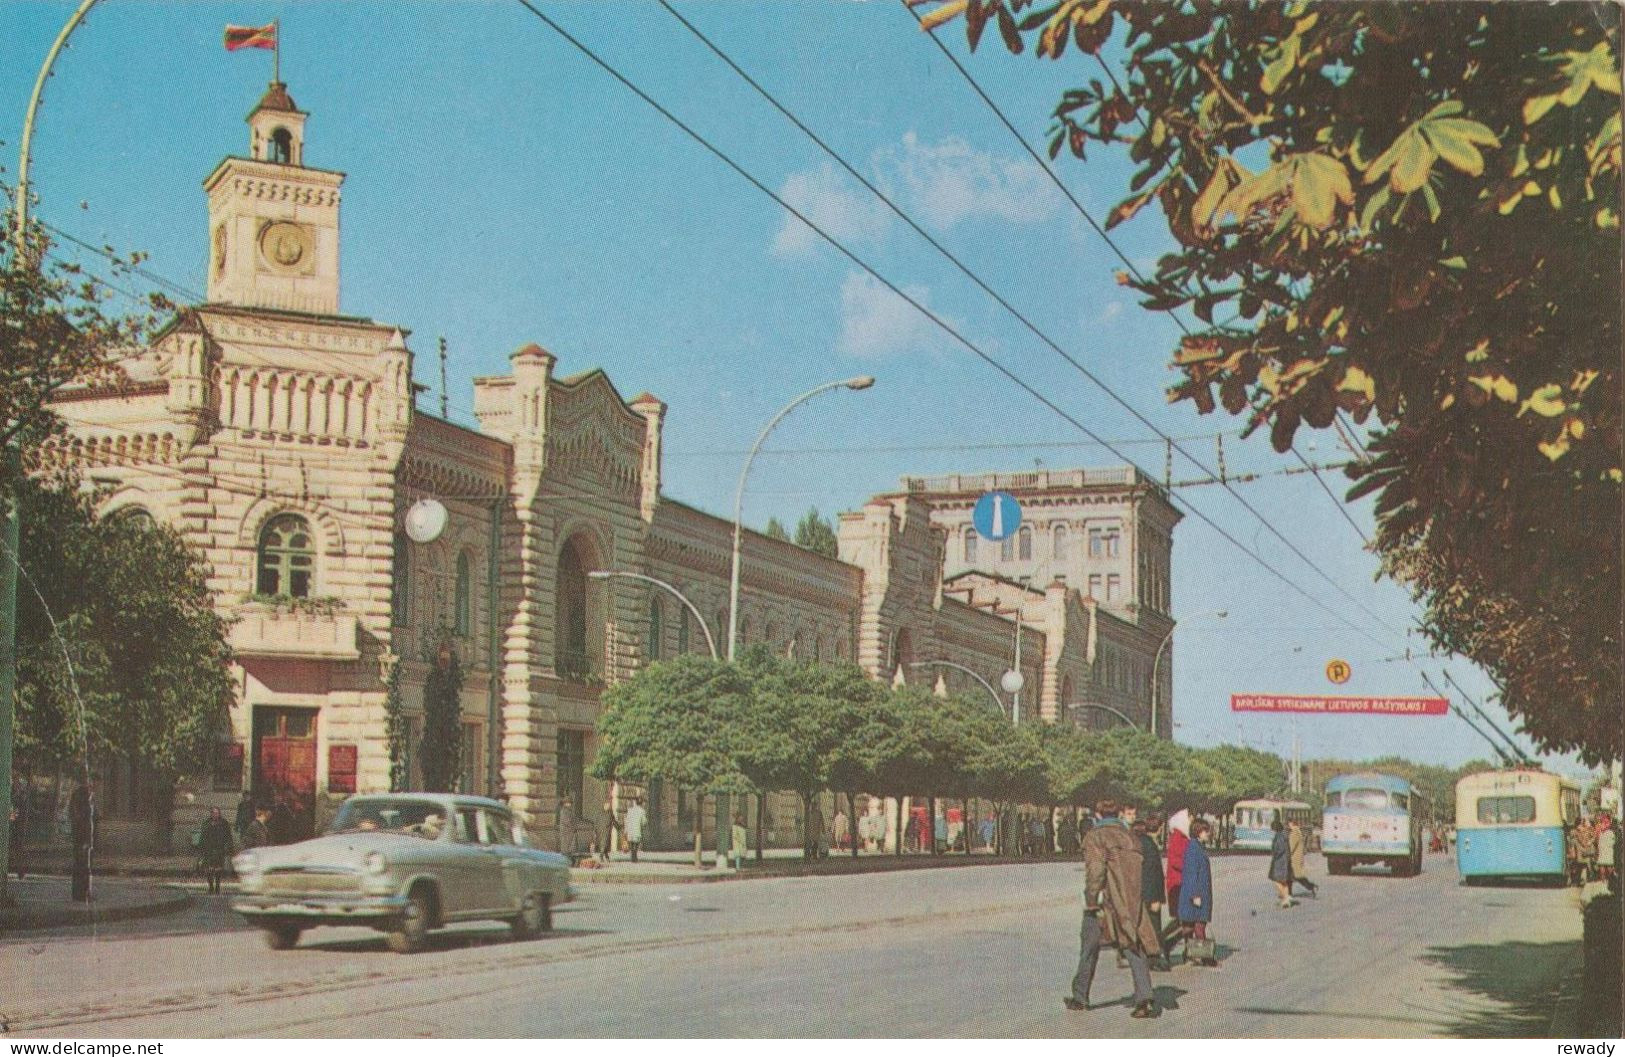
[[420, 818], [1366, 799]]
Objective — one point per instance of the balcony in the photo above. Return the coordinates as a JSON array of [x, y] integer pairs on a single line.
[[271, 630]]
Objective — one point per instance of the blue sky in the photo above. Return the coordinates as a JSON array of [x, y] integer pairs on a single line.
[[501, 189]]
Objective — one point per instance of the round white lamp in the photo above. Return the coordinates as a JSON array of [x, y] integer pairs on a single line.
[[1012, 681], [426, 520]]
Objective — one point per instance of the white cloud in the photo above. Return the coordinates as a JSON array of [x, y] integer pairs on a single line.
[[828, 200], [949, 182], [876, 322]]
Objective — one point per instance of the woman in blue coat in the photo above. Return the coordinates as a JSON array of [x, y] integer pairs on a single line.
[[1281, 864], [1196, 886]]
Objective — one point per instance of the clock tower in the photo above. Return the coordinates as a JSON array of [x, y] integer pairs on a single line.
[[273, 221]]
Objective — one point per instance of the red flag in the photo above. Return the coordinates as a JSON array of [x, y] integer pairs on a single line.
[[251, 37]]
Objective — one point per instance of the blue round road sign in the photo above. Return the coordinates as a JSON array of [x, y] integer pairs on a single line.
[[996, 516]]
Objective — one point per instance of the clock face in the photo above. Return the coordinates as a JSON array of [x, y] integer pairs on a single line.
[[286, 246]]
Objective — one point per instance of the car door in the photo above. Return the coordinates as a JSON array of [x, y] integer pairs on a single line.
[[518, 875], [472, 869]]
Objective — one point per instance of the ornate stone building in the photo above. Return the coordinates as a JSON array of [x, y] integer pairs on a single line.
[[282, 438]]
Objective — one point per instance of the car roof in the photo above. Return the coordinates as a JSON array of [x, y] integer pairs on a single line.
[[463, 799]]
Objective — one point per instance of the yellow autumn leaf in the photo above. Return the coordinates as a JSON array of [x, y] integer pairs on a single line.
[[1554, 449], [1480, 352], [946, 13], [1355, 380], [1448, 402], [1547, 401], [1496, 385], [1576, 429], [1582, 380]]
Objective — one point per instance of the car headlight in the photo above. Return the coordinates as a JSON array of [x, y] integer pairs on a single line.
[[375, 862], [246, 862]]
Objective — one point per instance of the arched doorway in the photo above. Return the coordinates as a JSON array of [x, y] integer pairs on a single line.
[[578, 614]]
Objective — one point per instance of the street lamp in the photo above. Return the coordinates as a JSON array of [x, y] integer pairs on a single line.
[[1102, 708], [859, 383], [605, 574], [10, 525], [1157, 660], [998, 702]]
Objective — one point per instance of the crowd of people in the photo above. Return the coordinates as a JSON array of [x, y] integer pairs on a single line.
[[1593, 850]]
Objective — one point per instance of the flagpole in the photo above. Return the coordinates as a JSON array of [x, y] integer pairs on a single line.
[[276, 50]]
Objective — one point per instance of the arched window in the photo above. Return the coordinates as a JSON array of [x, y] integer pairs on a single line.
[[401, 597], [970, 543], [135, 517], [287, 557], [1059, 547], [1007, 548], [463, 616], [1026, 536], [656, 620], [682, 630], [282, 146]]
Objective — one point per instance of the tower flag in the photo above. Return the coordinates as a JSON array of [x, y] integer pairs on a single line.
[[238, 37]]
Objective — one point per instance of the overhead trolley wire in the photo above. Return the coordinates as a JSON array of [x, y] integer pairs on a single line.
[[935, 319]]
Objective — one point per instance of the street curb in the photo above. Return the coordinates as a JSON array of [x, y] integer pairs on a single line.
[[870, 866], [170, 900]]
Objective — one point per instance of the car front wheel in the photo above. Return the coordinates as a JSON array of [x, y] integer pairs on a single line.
[[535, 916], [411, 931]]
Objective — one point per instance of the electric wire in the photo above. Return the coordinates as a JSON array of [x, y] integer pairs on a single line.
[[935, 319]]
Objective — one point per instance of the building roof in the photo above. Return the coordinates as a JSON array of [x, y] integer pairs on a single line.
[[276, 97]]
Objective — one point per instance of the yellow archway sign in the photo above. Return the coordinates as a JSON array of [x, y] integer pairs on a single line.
[[1338, 671]]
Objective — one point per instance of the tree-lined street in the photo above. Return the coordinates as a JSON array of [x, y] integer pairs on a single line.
[[970, 951]]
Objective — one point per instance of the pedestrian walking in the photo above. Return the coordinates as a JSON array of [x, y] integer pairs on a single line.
[[984, 833], [1114, 911], [1281, 865], [20, 816], [1153, 886], [738, 840], [1582, 844], [258, 832], [82, 832], [1179, 830], [214, 848], [245, 816], [842, 829], [1607, 849], [608, 844], [564, 823], [633, 825], [1297, 846], [1195, 906], [282, 823]]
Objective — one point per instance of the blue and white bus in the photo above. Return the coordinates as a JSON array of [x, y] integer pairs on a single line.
[[1514, 824], [1372, 818], [1250, 821]]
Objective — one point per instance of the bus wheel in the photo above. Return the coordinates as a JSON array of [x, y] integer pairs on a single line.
[[1337, 866]]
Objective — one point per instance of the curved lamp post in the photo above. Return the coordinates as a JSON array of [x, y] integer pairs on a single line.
[[860, 382], [1102, 708], [1157, 661], [998, 702], [605, 574]]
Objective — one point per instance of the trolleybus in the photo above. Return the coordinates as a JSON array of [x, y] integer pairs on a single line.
[[1514, 823], [1251, 821], [1372, 818]]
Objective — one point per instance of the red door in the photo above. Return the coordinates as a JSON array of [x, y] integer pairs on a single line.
[[285, 765]]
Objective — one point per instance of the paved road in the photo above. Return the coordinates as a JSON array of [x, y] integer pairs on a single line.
[[984, 951]]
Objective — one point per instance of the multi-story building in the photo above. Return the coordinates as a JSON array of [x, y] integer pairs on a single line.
[[282, 438]]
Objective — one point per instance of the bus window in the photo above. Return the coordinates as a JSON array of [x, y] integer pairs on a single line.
[[1365, 799], [1401, 802], [1506, 810]]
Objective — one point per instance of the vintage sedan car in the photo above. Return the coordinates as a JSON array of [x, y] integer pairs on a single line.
[[404, 863]]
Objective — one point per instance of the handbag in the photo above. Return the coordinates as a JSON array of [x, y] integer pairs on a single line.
[[1201, 950]]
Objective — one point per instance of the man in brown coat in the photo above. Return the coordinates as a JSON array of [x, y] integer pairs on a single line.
[[1114, 913]]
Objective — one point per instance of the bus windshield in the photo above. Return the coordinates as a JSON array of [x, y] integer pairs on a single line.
[[1506, 810], [1365, 799]]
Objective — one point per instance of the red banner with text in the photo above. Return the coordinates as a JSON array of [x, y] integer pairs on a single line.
[[1378, 706]]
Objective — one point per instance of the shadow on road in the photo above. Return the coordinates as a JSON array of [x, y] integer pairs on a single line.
[[1520, 977], [460, 940]]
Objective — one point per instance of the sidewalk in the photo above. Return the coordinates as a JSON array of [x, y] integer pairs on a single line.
[[43, 902]]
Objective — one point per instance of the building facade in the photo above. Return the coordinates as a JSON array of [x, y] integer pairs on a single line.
[[282, 438]]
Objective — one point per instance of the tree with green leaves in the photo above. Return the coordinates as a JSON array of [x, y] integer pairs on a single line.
[[815, 533], [120, 652], [775, 530], [1407, 210], [679, 721], [441, 748]]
